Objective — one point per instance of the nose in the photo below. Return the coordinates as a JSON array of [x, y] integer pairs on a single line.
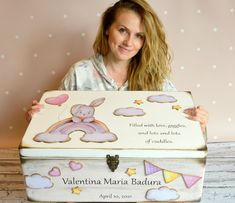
[[128, 40]]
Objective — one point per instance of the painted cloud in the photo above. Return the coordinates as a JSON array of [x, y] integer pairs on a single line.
[[129, 111], [99, 137], [162, 194], [51, 137], [36, 181], [162, 98]]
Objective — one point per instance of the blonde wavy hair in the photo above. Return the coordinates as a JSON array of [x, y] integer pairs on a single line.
[[150, 67]]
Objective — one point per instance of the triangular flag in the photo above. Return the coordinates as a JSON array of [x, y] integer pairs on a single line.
[[190, 180], [150, 168], [169, 176]]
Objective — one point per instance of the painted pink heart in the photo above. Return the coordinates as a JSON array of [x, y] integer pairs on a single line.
[[75, 166], [55, 171], [58, 100]]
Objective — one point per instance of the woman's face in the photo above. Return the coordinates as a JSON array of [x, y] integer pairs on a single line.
[[125, 35]]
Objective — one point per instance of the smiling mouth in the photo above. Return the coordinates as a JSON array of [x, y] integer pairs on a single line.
[[124, 49]]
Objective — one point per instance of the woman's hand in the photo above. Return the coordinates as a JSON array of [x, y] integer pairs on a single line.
[[36, 107], [198, 114]]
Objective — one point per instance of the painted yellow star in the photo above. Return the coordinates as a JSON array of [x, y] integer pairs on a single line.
[[76, 190], [131, 171], [138, 102], [176, 107]]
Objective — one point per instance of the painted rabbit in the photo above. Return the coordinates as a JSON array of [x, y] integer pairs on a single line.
[[85, 113]]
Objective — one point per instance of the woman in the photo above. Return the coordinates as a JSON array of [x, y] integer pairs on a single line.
[[130, 53]]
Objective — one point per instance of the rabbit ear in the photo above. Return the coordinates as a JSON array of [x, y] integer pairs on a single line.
[[74, 108], [97, 102]]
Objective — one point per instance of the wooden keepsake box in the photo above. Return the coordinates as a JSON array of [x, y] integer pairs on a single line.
[[106, 146]]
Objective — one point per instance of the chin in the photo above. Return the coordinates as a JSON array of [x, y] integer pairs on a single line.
[[124, 57]]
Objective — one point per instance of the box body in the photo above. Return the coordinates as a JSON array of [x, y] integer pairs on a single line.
[[114, 147]]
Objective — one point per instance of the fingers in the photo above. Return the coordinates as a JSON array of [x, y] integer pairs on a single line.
[[36, 105], [35, 108], [198, 114]]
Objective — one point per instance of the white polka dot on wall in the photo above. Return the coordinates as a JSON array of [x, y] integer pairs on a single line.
[[50, 35], [230, 48], [198, 11], [182, 67], [198, 85], [98, 14], [165, 12], [31, 17], [230, 84], [213, 102], [65, 16], [7, 92], [17, 36], [232, 10], [198, 49], [21, 74], [83, 34], [215, 138], [10, 127], [215, 29], [53, 72], [35, 55], [68, 53], [24, 109], [2, 56], [214, 66], [182, 30], [229, 119], [39, 91]]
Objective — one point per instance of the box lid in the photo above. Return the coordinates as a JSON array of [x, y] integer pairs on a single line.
[[128, 123]]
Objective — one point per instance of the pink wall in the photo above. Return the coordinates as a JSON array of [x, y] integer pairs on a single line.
[[40, 40]]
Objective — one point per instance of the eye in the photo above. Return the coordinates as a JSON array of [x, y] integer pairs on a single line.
[[122, 30], [140, 36]]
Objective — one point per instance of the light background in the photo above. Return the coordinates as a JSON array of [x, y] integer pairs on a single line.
[[41, 39]]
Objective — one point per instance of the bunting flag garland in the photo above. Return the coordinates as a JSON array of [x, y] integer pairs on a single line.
[[190, 180], [150, 168], [169, 176]]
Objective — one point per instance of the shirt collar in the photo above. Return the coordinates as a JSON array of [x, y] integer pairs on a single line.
[[98, 62]]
